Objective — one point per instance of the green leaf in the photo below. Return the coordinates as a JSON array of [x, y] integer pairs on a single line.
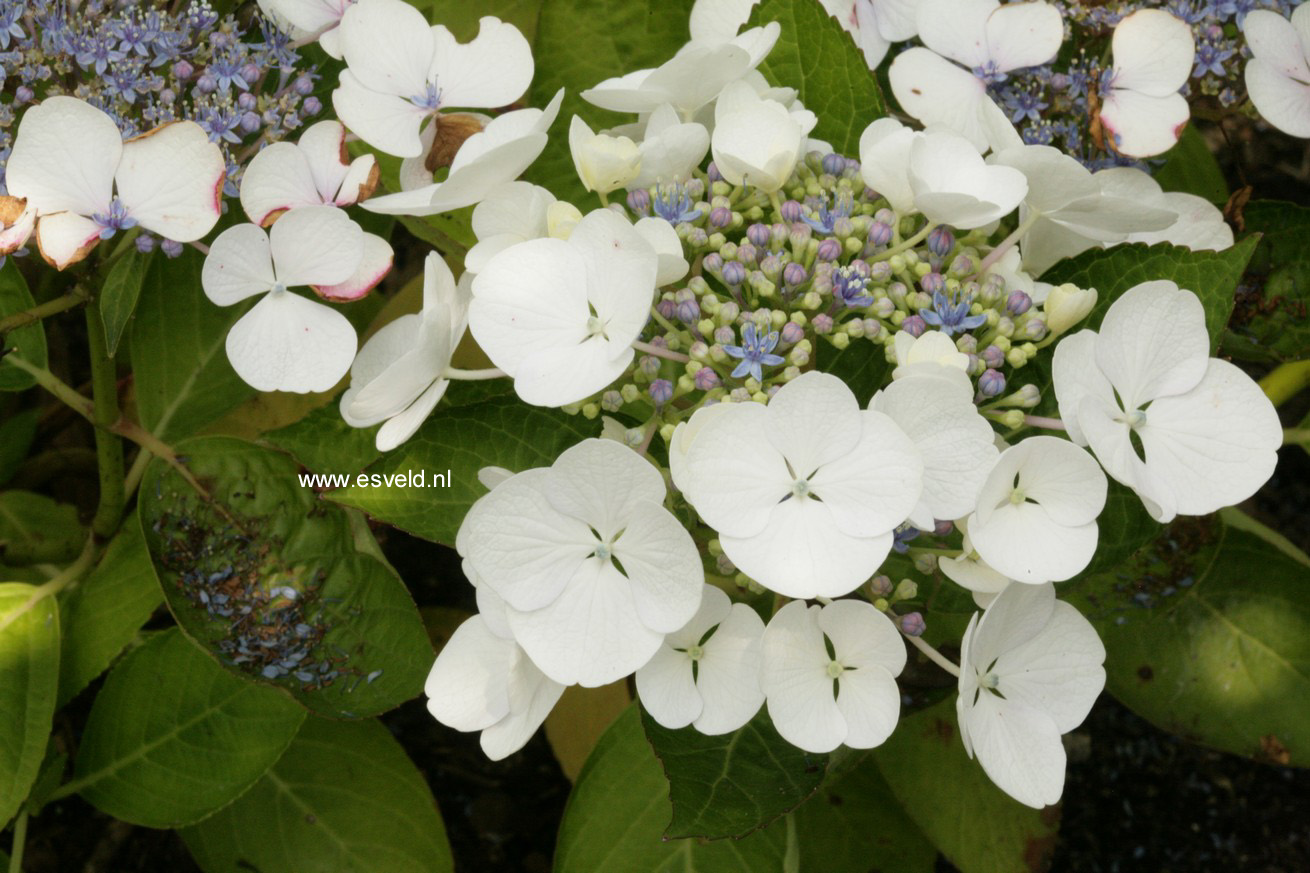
[[1272, 320], [615, 818], [103, 614], [855, 825], [36, 530], [182, 377], [343, 798], [1124, 526], [1191, 167], [119, 294], [17, 432], [972, 822], [1207, 634], [818, 58], [620, 36], [732, 784], [462, 17], [862, 366], [29, 680], [1213, 276], [348, 641], [172, 737], [455, 443], [27, 342], [324, 443]]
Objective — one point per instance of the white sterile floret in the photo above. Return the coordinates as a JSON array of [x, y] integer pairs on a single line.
[[756, 141], [604, 163], [315, 171], [885, 161], [401, 72], [1200, 224], [1066, 305], [484, 681], [1036, 515], [398, 376], [690, 79], [671, 150], [560, 316], [593, 569], [970, 571], [707, 674], [1030, 670], [497, 154], [819, 701], [84, 183], [514, 213], [953, 438], [985, 40], [804, 492], [286, 342], [1068, 210], [1189, 433], [683, 437], [1278, 74], [932, 353], [666, 243], [952, 184], [319, 19], [1142, 113]]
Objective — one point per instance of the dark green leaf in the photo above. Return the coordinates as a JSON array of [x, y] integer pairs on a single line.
[[172, 737], [818, 58], [103, 614], [16, 435], [36, 530], [344, 798], [29, 681], [1272, 320], [324, 443], [455, 443], [862, 366], [1191, 167], [182, 376], [949, 797], [347, 641], [26, 342], [1207, 634], [615, 818], [119, 294], [462, 17]]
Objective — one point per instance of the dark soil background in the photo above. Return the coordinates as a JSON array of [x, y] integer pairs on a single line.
[[1136, 798]]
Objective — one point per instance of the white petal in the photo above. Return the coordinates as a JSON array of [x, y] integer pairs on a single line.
[[814, 420], [1153, 342], [672, 154], [1141, 126], [468, 686], [885, 161], [660, 559], [1019, 749], [897, 19], [664, 240], [739, 476], [171, 181], [872, 489], [1200, 225], [728, 679], [870, 703], [801, 552], [374, 264], [516, 209], [277, 179], [1024, 543], [492, 70], [795, 681], [590, 635], [309, 15], [65, 238], [1063, 478], [64, 157], [388, 46], [1024, 35], [568, 374], [315, 245], [1076, 376], [621, 269], [388, 122], [1010, 621], [683, 437], [396, 366], [1153, 52], [532, 697], [1273, 41], [935, 91], [1284, 102], [1058, 671], [238, 265], [862, 636], [953, 185], [1102, 423], [667, 690], [288, 343], [603, 483], [403, 425], [957, 29], [717, 21]]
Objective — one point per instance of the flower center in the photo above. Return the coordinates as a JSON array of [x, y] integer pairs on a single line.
[[113, 220], [1017, 496], [695, 652], [835, 669], [603, 551], [800, 488], [430, 98]]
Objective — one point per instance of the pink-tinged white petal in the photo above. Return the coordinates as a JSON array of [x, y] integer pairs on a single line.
[[494, 69], [288, 343], [739, 476], [1141, 126], [468, 686], [795, 681], [389, 47], [324, 148], [238, 265], [1024, 35], [1153, 342], [604, 483], [17, 221], [1283, 101], [171, 181], [373, 266], [1273, 40], [277, 179], [311, 16], [935, 91], [64, 157], [315, 245], [65, 238], [1153, 52], [388, 122], [660, 560], [729, 673], [867, 33]]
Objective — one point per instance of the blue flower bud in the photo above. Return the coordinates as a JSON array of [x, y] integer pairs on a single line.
[[993, 356], [914, 326], [822, 323], [911, 624], [792, 211], [943, 528], [720, 216], [661, 391], [707, 379], [23, 94], [303, 85], [932, 283], [792, 333], [611, 401], [734, 273], [1035, 329], [829, 250], [991, 382], [250, 122], [962, 265], [794, 274], [941, 241], [171, 248], [880, 586], [880, 233], [688, 312], [713, 263], [758, 234], [146, 243], [747, 253], [666, 308], [206, 84], [713, 172], [1018, 303], [725, 335], [247, 101], [834, 164], [250, 73], [311, 106], [167, 95], [649, 366], [639, 201], [183, 70]]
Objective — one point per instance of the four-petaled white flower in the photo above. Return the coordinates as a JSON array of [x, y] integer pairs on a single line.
[[604, 163], [829, 674], [756, 141], [1036, 515], [1030, 670], [1278, 74], [401, 71], [671, 149], [315, 171], [484, 681], [593, 569], [985, 40], [399, 375], [71, 165], [932, 353], [1142, 113], [1189, 433], [560, 317], [707, 674], [286, 342], [804, 492]]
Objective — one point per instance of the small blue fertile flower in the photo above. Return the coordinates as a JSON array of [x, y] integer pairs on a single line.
[[824, 218], [1210, 57], [114, 220], [673, 204], [755, 353], [950, 314], [850, 286]]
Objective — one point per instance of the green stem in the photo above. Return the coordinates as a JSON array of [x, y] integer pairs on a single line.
[[933, 655], [57, 583], [105, 412], [909, 243], [51, 307], [1286, 381], [20, 840], [1006, 244], [662, 321], [135, 472], [660, 353]]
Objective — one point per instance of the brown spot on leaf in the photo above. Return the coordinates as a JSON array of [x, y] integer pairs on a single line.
[[1038, 852], [944, 731], [1272, 751], [1145, 673]]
